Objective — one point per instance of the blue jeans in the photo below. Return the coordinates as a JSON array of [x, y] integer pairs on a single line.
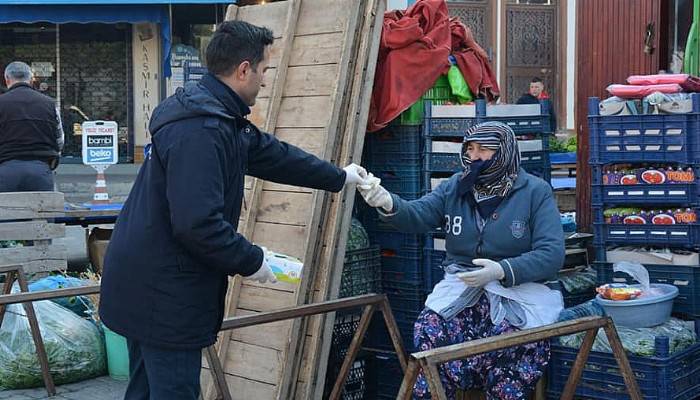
[[25, 176], [162, 374]]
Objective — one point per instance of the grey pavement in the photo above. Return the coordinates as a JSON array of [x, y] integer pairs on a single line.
[[77, 181], [102, 388]]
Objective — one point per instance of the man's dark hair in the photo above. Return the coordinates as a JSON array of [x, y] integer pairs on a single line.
[[234, 42], [536, 80]]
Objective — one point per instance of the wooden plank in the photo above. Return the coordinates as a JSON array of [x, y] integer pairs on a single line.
[[286, 239], [316, 49], [273, 335], [305, 112], [32, 267], [22, 255], [271, 15], [311, 80], [31, 230], [261, 299], [28, 205], [337, 120], [258, 113], [254, 362], [248, 389], [285, 208], [323, 16], [310, 139], [350, 151]]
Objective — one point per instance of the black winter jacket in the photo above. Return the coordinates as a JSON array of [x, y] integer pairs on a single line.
[[175, 243]]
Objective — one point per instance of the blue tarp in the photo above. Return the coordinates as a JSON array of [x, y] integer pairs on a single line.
[[107, 14]]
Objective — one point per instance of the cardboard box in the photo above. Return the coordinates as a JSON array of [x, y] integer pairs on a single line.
[[645, 257], [97, 243]]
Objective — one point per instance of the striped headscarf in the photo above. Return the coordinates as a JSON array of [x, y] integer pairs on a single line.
[[498, 178]]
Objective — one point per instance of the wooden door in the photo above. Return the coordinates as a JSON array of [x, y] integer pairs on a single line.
[[479, 16], [531, 47], [609, 48]]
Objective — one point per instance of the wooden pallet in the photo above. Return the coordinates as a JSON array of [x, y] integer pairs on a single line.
[[307, 102], [23, 216]]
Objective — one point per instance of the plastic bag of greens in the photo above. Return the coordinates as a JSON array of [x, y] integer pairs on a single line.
[[641, 341], [459, 86], [74, 347], [78, 304]]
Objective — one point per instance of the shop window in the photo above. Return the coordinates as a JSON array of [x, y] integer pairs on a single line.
[[86, 67]]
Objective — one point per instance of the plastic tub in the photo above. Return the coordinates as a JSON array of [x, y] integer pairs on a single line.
[[117, 355], [643, 312]]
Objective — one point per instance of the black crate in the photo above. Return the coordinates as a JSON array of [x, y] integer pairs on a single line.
[[361, 272]]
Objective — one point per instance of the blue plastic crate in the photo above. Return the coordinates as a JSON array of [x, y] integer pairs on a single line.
[[442, 162], [685, 277], [457, 126], [432, 260], [667, 377], [657, 235], [394, 240], [396, 139], [642, 193], [383, 160], [386, 376], [377, 336], [405, 297], [677, 235], [664, 194], [403, 266], [644, 138], [406, 183]]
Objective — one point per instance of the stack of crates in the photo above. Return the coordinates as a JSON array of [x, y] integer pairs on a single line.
[[444, 128], [657, 139], [402, 156]]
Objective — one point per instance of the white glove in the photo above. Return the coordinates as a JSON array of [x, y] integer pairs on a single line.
[[375, 195], [264, 274], [355, 174], [492, 271]]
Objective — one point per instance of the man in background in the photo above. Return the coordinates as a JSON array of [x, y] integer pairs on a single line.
[[537, 93], [31, 134]]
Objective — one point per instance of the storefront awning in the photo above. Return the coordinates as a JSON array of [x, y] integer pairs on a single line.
[[107, 14]]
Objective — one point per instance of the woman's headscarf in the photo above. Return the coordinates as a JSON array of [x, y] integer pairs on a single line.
[[494, 178]]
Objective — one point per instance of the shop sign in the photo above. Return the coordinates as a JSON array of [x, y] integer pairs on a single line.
[[100, 143], [43, 69]]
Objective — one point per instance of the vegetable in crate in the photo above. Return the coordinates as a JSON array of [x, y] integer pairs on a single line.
[[640, 341], [74, 347]]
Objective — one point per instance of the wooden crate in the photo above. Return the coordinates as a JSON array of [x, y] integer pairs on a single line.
[[27, 217]]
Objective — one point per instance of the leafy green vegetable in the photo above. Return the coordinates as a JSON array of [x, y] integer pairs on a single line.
[[74, 347]]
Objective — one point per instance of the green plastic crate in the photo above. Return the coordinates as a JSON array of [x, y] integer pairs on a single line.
[[440, 93]]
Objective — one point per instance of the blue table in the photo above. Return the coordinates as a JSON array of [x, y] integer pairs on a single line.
[[90, 214]]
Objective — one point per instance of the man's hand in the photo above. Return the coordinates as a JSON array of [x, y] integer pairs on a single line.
[[355, 174], [375, 195], [263, 275], [492, 271]]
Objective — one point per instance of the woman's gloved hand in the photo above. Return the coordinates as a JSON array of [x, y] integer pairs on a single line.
[[492, 271], [375, 195]]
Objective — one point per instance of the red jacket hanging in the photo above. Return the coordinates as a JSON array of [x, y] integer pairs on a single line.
[[413, 53]]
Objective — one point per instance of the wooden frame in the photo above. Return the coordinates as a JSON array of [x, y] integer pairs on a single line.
[[428, 361], [370, 304]]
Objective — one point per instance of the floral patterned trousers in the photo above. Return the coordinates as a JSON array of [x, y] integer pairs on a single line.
[[506, 374]]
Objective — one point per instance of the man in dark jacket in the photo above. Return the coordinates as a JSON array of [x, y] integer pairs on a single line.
[[31, 134], [175, 243], [537, 93]]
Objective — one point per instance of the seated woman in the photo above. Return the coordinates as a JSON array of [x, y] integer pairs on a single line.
[[503, 234]]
